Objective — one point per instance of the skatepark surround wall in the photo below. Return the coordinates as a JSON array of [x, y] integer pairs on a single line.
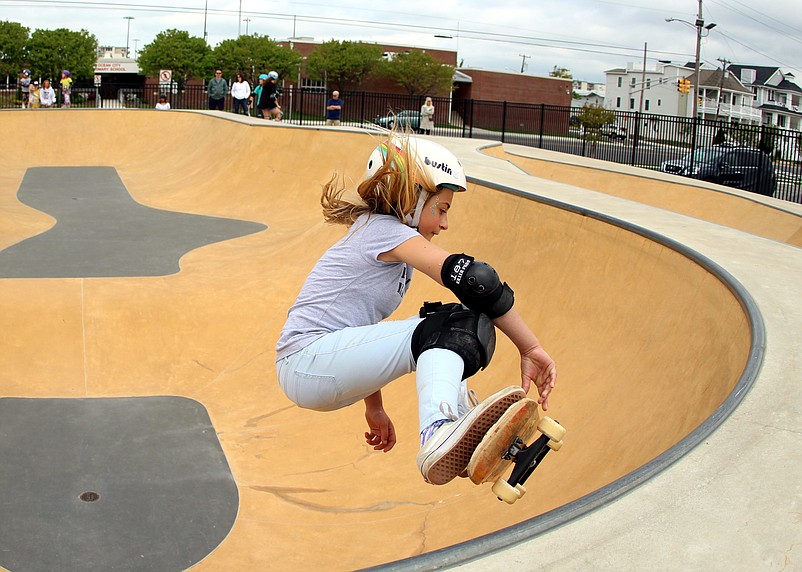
[[706, 201], [648, 341]]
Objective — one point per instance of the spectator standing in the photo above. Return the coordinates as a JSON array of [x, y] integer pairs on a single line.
[[334, 107], [163, 104], [25, 87], [33, 102], [427, 117], [240, 92], [47, 95], [66, 88], [217, 90]]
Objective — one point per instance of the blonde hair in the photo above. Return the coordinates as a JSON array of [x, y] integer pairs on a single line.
[[393, 189]]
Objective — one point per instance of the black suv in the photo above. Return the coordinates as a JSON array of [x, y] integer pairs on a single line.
[[739, 167]]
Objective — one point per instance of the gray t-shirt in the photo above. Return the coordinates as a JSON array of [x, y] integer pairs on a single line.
[[349, 286]]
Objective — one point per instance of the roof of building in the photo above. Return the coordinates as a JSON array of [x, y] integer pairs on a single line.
[[779, 109], [763, 74], [730, 82]]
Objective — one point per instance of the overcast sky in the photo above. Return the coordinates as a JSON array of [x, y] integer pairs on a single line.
[[585, 36]]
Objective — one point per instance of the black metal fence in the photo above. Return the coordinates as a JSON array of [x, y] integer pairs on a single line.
[[639, 139]]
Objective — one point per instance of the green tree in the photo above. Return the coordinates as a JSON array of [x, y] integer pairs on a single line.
[[592, 118], [563, 73], [13, 38], [419, 73], [343, 65], [50, 51], [187, 56], [252, 55]]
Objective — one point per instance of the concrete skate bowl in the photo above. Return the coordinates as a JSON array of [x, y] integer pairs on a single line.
[[698, 199], [655, 346]]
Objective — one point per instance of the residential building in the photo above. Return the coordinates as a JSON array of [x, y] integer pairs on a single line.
[[775, 95], [723, 97], [587, 93], [657, 87]]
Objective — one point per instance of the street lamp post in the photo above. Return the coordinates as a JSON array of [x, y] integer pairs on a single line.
[[700, 26], [136, 46], [128, 35]]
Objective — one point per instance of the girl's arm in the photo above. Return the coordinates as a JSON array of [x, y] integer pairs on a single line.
[[536, 365]]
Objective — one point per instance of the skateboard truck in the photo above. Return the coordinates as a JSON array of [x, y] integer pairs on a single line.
[[505, 443], [526, 459]]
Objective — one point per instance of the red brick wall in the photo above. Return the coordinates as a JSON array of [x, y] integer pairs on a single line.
[[519, 88]]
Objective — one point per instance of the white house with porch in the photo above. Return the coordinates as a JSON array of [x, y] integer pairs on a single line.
[[774, 94]]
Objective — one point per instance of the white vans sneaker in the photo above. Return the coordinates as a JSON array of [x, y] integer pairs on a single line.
[[447, 452]]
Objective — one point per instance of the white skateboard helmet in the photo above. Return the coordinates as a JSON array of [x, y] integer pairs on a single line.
[[440, 164]]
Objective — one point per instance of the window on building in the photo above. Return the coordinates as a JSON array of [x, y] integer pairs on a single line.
[[313, 85], [772, 95], [646, 105], [648, 83], [781, 120], [632, 103], [632, 82], [620, 80], [659, 102], [618, 101]]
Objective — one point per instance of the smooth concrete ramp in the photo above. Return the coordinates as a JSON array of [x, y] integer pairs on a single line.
[[651, 340], [767, 217]]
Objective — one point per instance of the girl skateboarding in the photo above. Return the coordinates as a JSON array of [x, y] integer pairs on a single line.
[[337, 349]]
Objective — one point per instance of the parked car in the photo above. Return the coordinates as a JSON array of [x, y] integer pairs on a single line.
[[403, 119], [613, 131], [726, 164]]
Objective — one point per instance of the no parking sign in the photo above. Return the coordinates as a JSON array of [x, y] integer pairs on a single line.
[[165, 76]]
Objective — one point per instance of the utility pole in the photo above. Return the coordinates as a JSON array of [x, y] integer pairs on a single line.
[[724, 63], [642, 79], [523, 62], [206, 12]]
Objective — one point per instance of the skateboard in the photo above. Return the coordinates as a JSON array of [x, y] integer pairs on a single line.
[[506, 443]]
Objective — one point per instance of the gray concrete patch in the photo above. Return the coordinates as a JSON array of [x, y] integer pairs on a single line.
[[101, 231], [165, 495]]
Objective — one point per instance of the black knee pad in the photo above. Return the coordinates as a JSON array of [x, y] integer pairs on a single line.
[[454, 327]]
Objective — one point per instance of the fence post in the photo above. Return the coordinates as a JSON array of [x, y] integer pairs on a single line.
[[503, 120], [542, 121], [635, 137], [470, 129]]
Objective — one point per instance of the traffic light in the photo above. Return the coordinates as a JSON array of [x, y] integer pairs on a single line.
[[684, 85]]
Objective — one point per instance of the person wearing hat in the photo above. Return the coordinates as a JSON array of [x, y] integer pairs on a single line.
[[66, 88], [338, 348], [163, 104], [268, 96], [33, 96], [25, 87], [256, 96]]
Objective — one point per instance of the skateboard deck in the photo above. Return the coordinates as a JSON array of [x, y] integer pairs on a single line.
[[505, 443]]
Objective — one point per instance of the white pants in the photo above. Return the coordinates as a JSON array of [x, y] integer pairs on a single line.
[[346, 366]]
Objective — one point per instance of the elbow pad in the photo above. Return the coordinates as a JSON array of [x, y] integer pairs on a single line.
[[477, 285]]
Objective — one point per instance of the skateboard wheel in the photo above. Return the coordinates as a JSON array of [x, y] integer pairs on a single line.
[[555, 445], [505, 492], [551, 429], [521, 490]]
